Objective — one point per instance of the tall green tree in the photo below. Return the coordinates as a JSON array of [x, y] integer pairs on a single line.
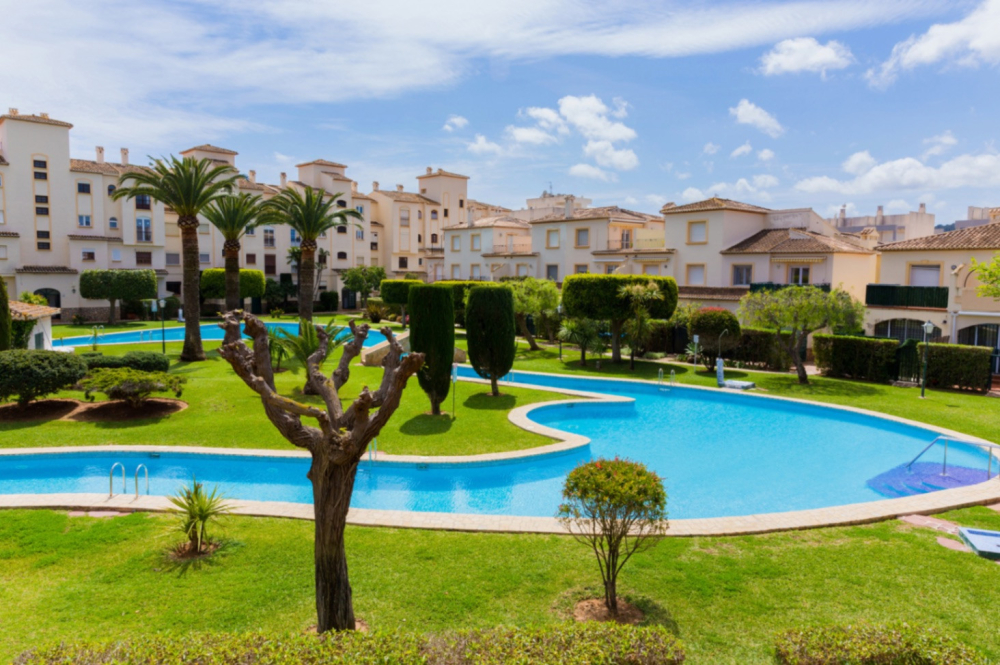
[[294, 258], [363, 280], [116, 285], [639, 326], [232, 216], [311, 213], [489, 330], [397, 292], [432, 334], [988, 274], [187, 186], [532, 297], [5, 317], [800, 311]]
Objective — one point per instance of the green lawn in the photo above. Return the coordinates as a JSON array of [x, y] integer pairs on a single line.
[[80, 578]]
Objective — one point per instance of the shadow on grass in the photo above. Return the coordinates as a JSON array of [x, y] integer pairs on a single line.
[[182, 567], [655, 614], [486, 402], [426, 424]]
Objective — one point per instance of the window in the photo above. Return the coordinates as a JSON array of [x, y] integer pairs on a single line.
[[41, 210], [111, 189], [696, 274], [360, 208], [461, 203], [420, 214], [445, 212], [40, 164], [143, 202], [742, 275], [610, 268], [113, 223], [83, 188], [434, 238], [251, 231], [650, 269], [88, 255], [251, 259], [476, 242], [420, 262], [474, 271], [41, 199], [798, 275], [341, 203], [42, 235], [41, 175], [173, 287], [456, 272], [116, 255], [552, 272], [270, 264], [456, 243], [420, 238], [341, 256], [268, 237], [173, 259], [321, 258], [144, 258], [404, 262], [925, 275], [204, 257], [43, 246], [581, 269], [341, 229], [294, 237], [552, 239], [143, 229], [83, 220], [522, 270], [359, 234], [697, 233], [583, 237], [404, 217], [434, 214], [3, 251]]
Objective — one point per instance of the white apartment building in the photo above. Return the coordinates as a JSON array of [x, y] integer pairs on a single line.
[[891, 228], [978, 216]]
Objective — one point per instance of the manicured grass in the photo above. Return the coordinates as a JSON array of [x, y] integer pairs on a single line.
[[224, 412], [80, 578]]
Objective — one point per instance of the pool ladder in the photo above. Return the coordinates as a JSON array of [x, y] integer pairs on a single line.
[[988, 447], [111, 479], [659, 380]]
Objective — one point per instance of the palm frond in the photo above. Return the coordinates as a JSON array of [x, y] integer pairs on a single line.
[[186, 185], [309, 212], [233, 214]]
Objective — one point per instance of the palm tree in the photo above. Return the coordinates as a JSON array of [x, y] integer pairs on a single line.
[[306, 343], [187, 186], [294, 259], [233, 215], [310, 214], [582, 332]]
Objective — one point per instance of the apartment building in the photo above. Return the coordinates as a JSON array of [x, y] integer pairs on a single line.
[[890, 228], [978, 216]]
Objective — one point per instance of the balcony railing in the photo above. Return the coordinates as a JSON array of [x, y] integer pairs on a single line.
[[522, 247], [775, 286], [434, 250], [891, 295], [620, 243]]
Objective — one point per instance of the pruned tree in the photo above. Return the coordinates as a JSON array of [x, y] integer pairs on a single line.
[[489, 326], [397, 292], [115, 285], [336, 445], [582, 332], [531, 298], [363, 280], [432, 334], [638, 327]]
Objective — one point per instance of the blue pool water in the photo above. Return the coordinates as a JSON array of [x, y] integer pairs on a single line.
[[719, 453], [209, 332]]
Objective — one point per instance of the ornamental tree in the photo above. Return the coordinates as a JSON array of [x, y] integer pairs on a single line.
[[586, 334], [489, 329], [397, 292], [795, 312], [215, 284], [131, 385], [617, 508], [115, 285], [5, 317], [532, 297], [638, 327], [718, 331], [599, 297], [364, 280], [989, 277], [432, 335], [336, 445]]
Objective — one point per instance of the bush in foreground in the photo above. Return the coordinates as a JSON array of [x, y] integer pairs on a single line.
[[858, 358], [871, 644], [588, 644], [131, 385], [144, 361], [28, 375]]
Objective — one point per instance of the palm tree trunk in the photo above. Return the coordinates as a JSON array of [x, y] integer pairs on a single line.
[[332, 488], [193, 350], [307, 279], [233, 300]]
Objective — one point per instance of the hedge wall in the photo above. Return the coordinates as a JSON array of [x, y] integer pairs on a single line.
[[213, 283], [115, 285], [144, 361], [396, 291], [759, 348], [871, 644], [329, 301], [958, 366], [592, 296], [858, 358], [459, 290]]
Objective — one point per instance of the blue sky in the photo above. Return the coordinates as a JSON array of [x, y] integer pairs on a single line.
[[785, 104]]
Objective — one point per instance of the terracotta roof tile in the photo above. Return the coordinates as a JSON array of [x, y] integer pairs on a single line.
[[606, 212], [337, 176], [500, 221], [36, 118], [975, 237], [442, 172], [322, 162], [794, 241], [95, 238], [243, 183], [472, 203], [64, 270], [90, 166], [208, 147], [714, 203], [23, 311], [9, 234], [712, 292], [405, 197]]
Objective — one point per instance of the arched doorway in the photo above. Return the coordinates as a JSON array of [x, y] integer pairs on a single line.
[[51, 295]]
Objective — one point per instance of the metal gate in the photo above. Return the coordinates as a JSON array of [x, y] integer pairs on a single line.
[[348, 299]]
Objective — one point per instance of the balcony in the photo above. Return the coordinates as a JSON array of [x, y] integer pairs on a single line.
[[619, 244], [434, 249], [892, 295], [775, 286], [514, 246]]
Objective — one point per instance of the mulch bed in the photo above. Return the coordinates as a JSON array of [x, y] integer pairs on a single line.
[[87, 412], [46, 409], [594, 609]]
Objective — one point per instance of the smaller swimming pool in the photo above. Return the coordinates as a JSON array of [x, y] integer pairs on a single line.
[[209, 332]]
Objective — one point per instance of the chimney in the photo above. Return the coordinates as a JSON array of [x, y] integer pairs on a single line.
[[472, 219], [429, 170], [375, 186], [253, 177], [284, 179], [43, 115], [923, 208], [354, 187], [843, 211], [12, 111], [99, 153], [878, 215], [568, 207], [399, 188], [124, 156]]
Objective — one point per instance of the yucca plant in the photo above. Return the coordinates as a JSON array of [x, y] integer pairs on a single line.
[[306, 343], [582, 332], [276, 346], [196, 508]]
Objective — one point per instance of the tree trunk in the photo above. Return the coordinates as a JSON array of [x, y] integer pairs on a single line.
[[616, 342], [522, 323], [435, 407], [233, 300], [631, 357], [800, 366], [112, 311], [307, 279], [193, 350], [583, 355], [402, 315], [496, 388], [332, 488]]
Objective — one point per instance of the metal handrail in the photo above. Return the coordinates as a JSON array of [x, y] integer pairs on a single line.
[[988, 447], [111, 479], [141, 466]]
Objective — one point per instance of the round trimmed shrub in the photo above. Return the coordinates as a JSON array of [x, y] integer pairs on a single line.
[[490, 331], [28, 375], [432, 333], [131, 385], [718, 330]]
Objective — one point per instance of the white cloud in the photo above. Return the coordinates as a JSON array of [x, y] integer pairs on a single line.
[[284, 160], [909, 173], [692, 194], [592, 172], [589, 116], [455, 122], [859, 163], [939, 144], [765, 155], [529, 135], [605, 154], [833, 210], [621, 107], [631, 200], [756, 187], [744, 149], [898, 205], [805, 54], [482, 146], [765, 181], [548, 119], [970, 42], [748, 113], [655, 200], [711, 148]]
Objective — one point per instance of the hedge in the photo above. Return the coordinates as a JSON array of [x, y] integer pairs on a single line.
[[592, 296], [490, 332], [583, 644], [858, 358], [958, 366], [114, 285], [29, 375], [871, 644], [432, 332], [718, 329], [144, 361], [5, 318], [396, 293], [759, 348], [213, 283], [459, 290], [329, 301]]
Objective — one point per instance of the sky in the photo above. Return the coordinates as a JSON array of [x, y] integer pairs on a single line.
[[817, 103]]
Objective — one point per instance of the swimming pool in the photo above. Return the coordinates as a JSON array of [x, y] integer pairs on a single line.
[[209, 332], [720, 454]]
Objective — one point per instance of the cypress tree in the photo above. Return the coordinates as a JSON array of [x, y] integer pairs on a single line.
[[5, 320], [490, 331], [432, 333]]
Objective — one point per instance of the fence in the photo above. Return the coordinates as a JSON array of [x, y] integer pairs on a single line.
[[888, 295]]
